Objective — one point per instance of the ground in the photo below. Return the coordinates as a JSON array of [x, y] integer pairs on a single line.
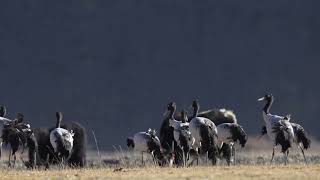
[[221, 172], [253, 162]]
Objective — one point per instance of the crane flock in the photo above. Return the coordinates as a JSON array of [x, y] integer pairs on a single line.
[[213, 134]]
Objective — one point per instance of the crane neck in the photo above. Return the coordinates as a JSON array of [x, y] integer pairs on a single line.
[[268, 105]]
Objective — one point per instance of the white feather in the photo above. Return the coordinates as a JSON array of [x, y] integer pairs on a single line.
[[177, 126], [195, 125], [224, 133], [66, 137], [272, 120], [141, 141]]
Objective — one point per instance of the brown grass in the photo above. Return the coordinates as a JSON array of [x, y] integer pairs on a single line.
[[219, 172], [252, 163]]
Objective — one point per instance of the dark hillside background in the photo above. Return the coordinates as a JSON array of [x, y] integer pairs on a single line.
[[117, 63]]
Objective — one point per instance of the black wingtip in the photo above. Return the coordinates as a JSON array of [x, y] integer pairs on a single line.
[[130, 143], [302, 137], [239, 134], [282, 140], [306, 143], [263, 130]]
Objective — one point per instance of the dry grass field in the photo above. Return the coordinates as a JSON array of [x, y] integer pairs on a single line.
[[207, 172], [253, 162]]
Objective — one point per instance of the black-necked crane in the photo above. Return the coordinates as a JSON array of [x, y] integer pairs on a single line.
[[300, 136], [279, 130], [61, 140], [166, 131], [15, 133], [147, 142], [182, 135], [3, 112], [205, 134], [41, 152], [230, 133], [219, 116]]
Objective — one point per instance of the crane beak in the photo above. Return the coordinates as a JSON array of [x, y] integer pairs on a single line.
[[261, 99]]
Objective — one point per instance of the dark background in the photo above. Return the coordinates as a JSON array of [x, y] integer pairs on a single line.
[[117, 63]]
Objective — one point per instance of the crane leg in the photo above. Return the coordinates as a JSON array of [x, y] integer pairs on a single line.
[[14, 160], [305, 160], [142, 162], [272, 156], [286, 155], [207, 154], [9, 165], [234, 155]]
